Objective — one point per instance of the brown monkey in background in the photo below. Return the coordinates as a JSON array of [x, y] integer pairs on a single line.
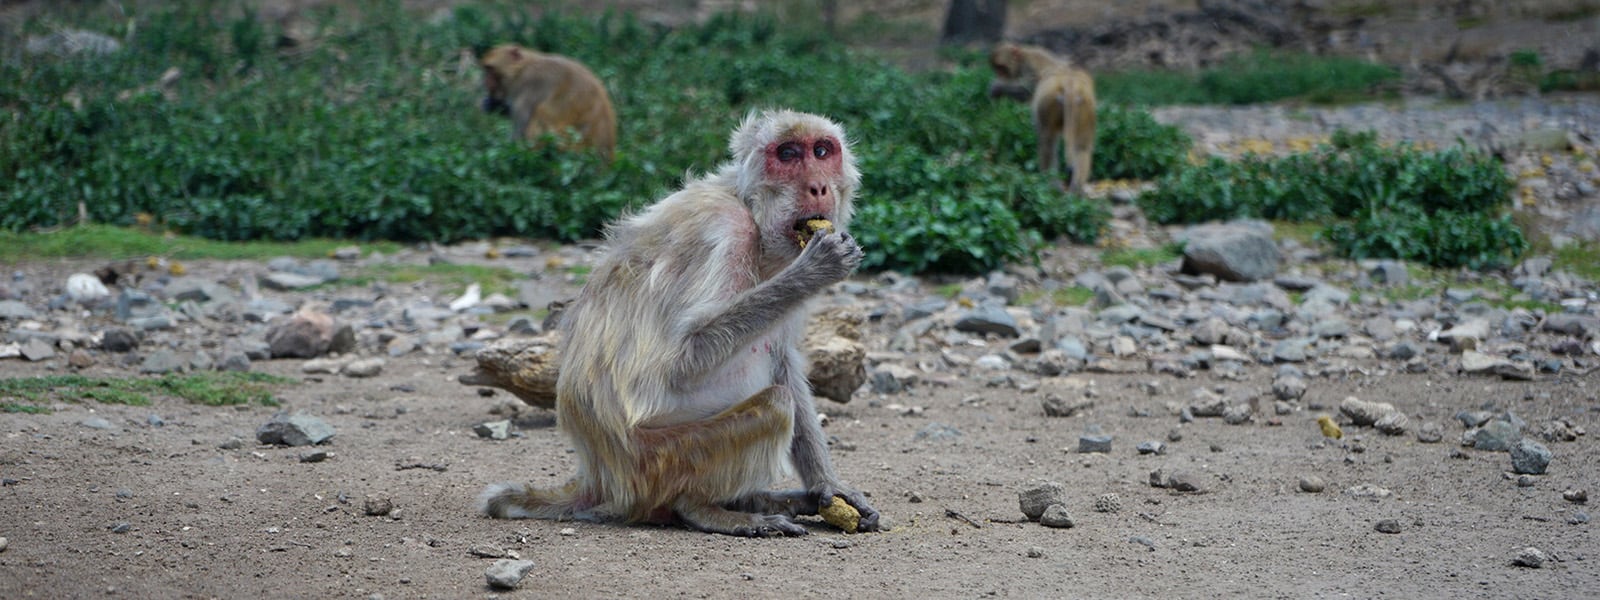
[[548, 93], [1063, 104], [682, 384]]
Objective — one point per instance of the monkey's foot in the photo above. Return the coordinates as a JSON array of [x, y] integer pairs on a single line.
[[720, 520]]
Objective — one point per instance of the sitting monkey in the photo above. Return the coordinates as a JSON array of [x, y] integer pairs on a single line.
[[1063, 104], [548, 93], [682, 385]]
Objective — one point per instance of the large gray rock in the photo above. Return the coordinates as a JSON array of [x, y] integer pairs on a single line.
[[299, 429], [306, 334], [1231, 252]]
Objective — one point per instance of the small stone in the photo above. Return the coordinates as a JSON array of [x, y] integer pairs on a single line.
[[1430, 433], [1529, 457], [1388, 526], [1033, 501], [1107, 503], [1056, 515], [377, 506], [1094, 443], [494, 430], [1312, 484], [1530, 557], [506, 573]]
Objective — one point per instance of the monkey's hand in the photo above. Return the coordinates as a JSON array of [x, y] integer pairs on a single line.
[[823, 494], [829, 258]]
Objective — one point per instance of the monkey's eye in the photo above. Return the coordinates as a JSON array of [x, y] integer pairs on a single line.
[[821, 150], [789, 152]]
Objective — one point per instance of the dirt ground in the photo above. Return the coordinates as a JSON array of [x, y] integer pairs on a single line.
[[143, 511], [199, 520]]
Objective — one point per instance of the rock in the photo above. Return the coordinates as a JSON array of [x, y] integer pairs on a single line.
[[1094, 443], [1388, 526], [1365, 413], [1430, 433], [1056, 406], [1312, 484], [1107, 503], [1530, 557], [299, 429], [1496, 436], [1478, 363], [163, 361], [35, 350], [1034, 500], [1232, 252], [366, 367], [1529, 457], [1056, 516], [118, 340], [893, 379], [306, 334], [988, 318], [494, 430], [526, 368], [1288, 388], [377, 506]]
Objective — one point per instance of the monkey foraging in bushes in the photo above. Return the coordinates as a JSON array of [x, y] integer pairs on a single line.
[[1063, 103], [682, 385], [548, 93]]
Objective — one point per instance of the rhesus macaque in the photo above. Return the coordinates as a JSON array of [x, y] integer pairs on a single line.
[[682, 384], [548, 93], [1063, 104]]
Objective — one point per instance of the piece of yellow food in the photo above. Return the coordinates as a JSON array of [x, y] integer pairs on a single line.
[[1330, 428], [810, 228], [840, 514]]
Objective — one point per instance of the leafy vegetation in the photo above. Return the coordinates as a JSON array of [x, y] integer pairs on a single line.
[[370, 132], [1439, 208], [1261, 76], [29, 394]]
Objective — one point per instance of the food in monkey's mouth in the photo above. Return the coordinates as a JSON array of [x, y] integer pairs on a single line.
[[806, 229]]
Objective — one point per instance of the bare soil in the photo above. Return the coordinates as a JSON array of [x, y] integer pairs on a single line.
[[255, 521]]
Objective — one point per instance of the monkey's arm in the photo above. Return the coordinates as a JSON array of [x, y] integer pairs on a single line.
[[708, 341], [809, 451]]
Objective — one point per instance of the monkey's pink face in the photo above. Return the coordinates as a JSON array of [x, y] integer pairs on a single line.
[[810, 166]]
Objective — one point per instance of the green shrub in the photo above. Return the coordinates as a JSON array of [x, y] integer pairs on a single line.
[[1440, 208]]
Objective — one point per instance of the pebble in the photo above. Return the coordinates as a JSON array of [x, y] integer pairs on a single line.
[[1034, 500], [506, 574], [1530, 557], [1056, 516], [1312, 484]]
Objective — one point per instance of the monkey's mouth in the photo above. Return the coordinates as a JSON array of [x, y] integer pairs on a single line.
[[810, 227]]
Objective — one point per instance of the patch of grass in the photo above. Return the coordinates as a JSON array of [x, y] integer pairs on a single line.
[[207, 388], [1134, 258], [1581, 259], [1072, 296], [491, 279], [105, 241]]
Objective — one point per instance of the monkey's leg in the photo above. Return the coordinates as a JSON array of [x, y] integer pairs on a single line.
[[696, 468]]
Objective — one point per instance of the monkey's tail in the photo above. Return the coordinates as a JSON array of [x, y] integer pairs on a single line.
[[522, 501]]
